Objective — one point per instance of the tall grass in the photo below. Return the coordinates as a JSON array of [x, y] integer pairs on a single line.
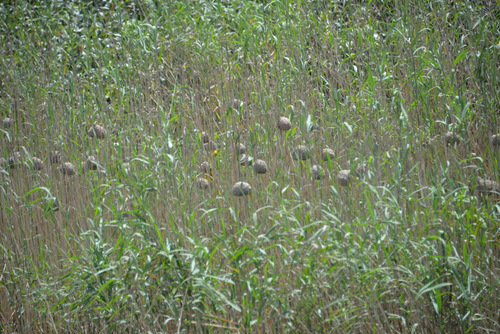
[[136, 246]]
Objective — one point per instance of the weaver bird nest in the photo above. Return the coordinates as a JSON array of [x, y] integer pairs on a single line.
[[37, 163], [495, 140], [97, 131], [301, 153], [90, 163], [284, 123], [202, 183], [241, 189], [8, 122], [327, 154], [451, 139], [260, 166], [67, 168], [241, 149], [317, 172], [344, 178]]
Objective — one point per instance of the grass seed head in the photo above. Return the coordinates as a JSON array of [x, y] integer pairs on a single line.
[[8, 122], [327, 154], [97, 131], [67, 168], [317, 172], [451, 138], [260, 166], [241, 189], [55, 157], [202, 183], [495, 140], [344, 178], [284, 123], [300, 153], [15, 160]]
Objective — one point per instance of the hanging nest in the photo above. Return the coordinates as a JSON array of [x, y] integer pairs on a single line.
[[210, 146], [361, 169], [495, 140], [241, 149], [202, 183], [487, 188], [52, 204], [284, 123], [300, 153], [8, 122], [3, 163], [90, 163], [327, 154], [260, 166], [15, 160], [204, 167], [317, 172], [241, 189], [67, 168], [344, 178], [205, 138], [97, 131], [451, 139], [37, 163]]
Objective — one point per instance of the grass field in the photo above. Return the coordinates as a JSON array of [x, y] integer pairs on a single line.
[[143, 238]]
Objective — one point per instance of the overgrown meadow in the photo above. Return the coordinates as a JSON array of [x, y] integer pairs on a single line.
[[136, 234]]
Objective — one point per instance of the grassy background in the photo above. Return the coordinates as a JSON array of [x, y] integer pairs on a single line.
[[136, 246]]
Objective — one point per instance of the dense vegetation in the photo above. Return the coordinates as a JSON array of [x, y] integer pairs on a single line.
[[409, 88]]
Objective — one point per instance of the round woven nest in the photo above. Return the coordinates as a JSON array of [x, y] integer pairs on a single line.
[[241, 189]]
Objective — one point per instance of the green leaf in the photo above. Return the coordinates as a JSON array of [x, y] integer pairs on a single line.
[[461, 56]]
